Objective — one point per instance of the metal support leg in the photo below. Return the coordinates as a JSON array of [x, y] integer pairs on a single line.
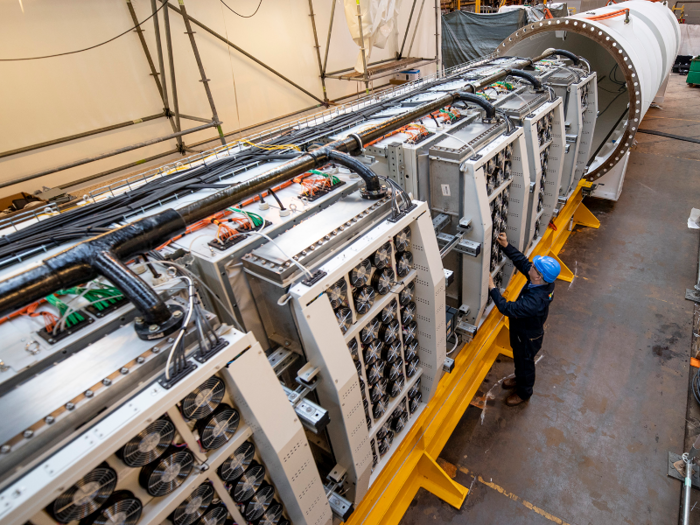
[[584, 217], [362, 48], [318, 51], [162, 89], [200, 65], [566, 274], [328, 40], [171, 63]]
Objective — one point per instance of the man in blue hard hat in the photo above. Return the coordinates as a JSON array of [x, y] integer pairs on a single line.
[[527, 315]]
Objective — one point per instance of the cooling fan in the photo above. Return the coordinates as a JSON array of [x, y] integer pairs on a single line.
[[344, 318], [359, 276], [273, 516], [86, 496], [217, 428], [259, 503], [194, 506], [215, 515], [204, 399], [404, 264], [382, 257], [406, 295], [383, 280], [168, 472], [338, 294], [248, 483], [364, 299], [148, 445], [121, 508], [234, 466], [388, 313], [403, 239]]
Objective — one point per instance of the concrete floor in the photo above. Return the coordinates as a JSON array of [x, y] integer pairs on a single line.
[[610, 400]]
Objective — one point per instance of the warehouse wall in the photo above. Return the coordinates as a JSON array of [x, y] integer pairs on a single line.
[[46, 99]]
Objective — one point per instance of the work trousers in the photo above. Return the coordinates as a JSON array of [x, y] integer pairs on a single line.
[[525, 347]]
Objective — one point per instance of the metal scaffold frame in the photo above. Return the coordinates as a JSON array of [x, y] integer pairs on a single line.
[[381, 68], [173, 115], [413, 465]]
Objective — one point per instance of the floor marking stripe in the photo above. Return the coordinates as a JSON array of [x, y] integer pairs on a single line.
[[517, 499]]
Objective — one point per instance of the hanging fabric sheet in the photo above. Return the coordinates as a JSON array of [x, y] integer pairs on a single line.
[[379, 19]]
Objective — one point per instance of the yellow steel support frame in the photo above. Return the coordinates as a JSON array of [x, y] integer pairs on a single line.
[[413, 464]]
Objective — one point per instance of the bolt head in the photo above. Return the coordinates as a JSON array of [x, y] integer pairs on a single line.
[[27, 434], [106, 381], [177, 313], [124, 370], [155, 350], [140, 360], [153, 328], [5, 449], [70, 406], [89, 393], [49, 420], [138, 320]]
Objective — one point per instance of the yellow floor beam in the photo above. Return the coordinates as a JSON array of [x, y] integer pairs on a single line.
[[413, 464]]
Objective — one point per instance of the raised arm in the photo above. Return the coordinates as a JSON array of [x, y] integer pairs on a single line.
[[519, 260]]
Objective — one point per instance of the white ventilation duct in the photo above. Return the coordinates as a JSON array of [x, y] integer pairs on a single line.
[[631, 46]]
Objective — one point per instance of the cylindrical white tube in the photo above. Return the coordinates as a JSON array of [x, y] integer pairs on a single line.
[[632, 53]]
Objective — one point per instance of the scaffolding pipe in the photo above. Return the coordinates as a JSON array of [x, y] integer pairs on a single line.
[[202, 73], [408, 26], [84, 134], [328, 40], [318, 51], [171, 64], [245, 53], [108, 154]]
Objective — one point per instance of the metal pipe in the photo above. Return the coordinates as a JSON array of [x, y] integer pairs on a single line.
[[202, 73], [74, 265], [159, 52], [234, 194], [408, 26], [108, 154], [362, 48], [84, 134], [171, 64], [245, 53], [318, 51], [687, 486], [328, 40], [117, 169], [196, 119], [437, 34], [415, 30]]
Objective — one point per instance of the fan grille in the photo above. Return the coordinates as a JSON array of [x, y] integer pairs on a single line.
[[194, 505], [249, 483], [121, 508], [233, 467], [167, 473], [259, 502], [204, 399], [149, 444], [216, 515], [217, 429], [86, 496]]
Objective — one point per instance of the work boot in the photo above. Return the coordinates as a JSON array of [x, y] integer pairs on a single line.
[[514, 400], [509, 383]]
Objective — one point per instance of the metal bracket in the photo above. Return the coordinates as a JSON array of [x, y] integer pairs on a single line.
[[281, 359], [312, 416], [692, 295], [588, 191], [532, 187], [673, 471], [306, 376], [448, 365], [449, 277], [440, 222], [464, 224], [465, 329], [447, 242], [468, 247], [337, 475], [340, 506]]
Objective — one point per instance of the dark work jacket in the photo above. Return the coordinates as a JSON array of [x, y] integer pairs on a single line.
[[529, 311]]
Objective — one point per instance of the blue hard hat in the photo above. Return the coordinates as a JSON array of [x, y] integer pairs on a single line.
[[548, 267]]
